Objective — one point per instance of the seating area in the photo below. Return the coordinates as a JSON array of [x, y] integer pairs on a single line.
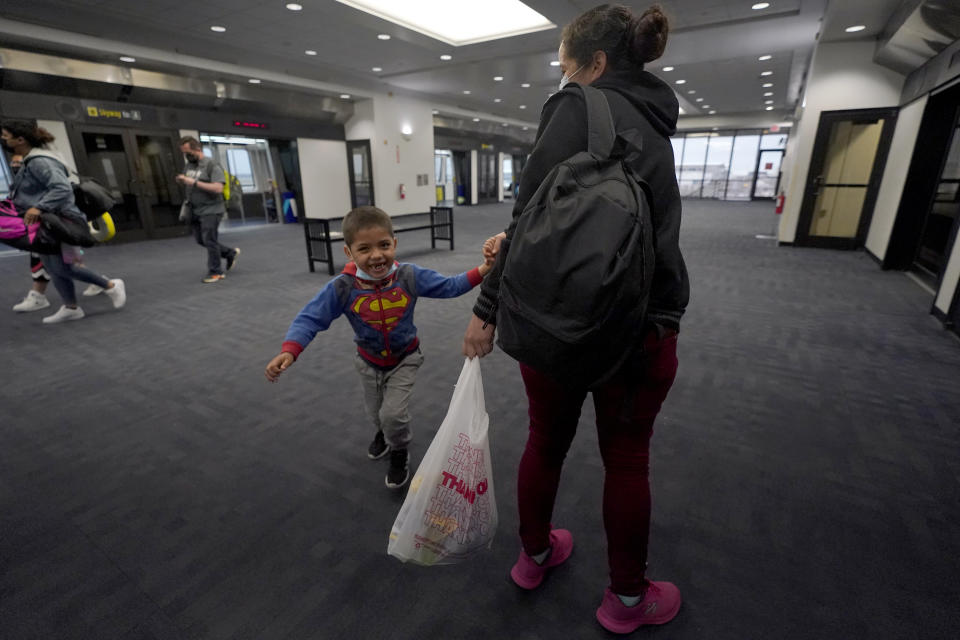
[[321, 233]]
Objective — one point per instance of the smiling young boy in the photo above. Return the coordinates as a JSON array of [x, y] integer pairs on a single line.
[[377, 294]]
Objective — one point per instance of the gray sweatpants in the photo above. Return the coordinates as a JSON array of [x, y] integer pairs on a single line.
[[386, 395]]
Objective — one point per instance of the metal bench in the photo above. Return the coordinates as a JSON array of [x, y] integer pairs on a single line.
[[322, 233]]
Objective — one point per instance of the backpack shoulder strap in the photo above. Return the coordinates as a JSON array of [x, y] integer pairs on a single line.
[[601, 132]]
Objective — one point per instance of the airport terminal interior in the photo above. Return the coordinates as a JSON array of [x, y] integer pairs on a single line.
[[804, 468]]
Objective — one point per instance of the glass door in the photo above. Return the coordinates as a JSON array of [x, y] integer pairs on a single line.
[[105, 158], [849, 153], [768, 174], [139, 169], [487, 187], [157, 166], [940, 226], [361, 173]]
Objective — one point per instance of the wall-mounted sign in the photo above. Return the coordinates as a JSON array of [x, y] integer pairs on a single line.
[[118, 112], [246, 124], [486, 147], [94, 111]]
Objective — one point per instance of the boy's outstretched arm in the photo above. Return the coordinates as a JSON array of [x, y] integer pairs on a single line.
[[278, 365]]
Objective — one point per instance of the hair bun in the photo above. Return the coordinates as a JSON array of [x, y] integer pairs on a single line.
[[649, 34]]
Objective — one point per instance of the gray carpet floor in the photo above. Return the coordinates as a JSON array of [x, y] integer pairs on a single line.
[[805, 467]]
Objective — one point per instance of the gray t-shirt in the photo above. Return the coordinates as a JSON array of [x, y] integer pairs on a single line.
[[203, 202]]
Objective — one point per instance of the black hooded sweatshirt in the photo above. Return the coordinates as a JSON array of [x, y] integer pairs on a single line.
[[638, 100]]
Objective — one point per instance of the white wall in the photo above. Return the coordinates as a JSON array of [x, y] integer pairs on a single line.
[[397, 160], [326, 183], [951, 276], [61, 145], [894, 177], [842, 76]]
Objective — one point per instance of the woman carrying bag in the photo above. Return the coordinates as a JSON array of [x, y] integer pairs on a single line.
[[42, 187], [604, 48]]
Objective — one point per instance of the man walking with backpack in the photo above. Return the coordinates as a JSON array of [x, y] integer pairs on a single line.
[[203, 180]]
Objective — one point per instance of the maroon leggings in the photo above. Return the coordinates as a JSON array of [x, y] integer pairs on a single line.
[[624, 427]]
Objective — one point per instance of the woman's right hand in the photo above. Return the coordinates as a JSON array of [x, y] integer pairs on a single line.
[[32, 215], [278, 365], [478, 340]]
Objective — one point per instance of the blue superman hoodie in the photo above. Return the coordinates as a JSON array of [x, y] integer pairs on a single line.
[[380, 311]]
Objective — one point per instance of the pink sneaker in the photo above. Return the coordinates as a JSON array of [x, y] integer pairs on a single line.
[[659, 605], [528, 574]]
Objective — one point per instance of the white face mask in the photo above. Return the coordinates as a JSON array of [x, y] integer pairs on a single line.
[[566, 79]]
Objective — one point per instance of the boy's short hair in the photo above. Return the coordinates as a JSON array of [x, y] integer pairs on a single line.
[[364, 218]]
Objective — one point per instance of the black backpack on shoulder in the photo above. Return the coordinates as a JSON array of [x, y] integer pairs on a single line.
[[579, 267], [92, 198]]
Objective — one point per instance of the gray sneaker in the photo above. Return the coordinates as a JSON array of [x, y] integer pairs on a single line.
[[378, 448]]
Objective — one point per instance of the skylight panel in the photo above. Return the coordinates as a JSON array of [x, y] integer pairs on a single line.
[[468, 23]]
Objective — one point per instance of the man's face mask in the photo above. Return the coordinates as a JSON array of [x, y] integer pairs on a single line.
[[566, 78]]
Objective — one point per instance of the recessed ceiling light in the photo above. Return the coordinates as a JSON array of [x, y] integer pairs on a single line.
[[764, 58], [345, 96], [768, 102], [767, 85], [293, 6], [446, 56], [504, 124], [435, 112], [855, 28], [218, 28], [668, 68], [497, 100], [760, 5], [706, 106], [712, 112], [767, 94], [692, 91], [383, 36], [681, 82], [699, 99], [554, 63], [310, 52], [466, 92], [766, 73], [254, 80], [498, 78], [525, 128], [376, 69], [769, 109], [127, 59], [476, 119], [523, 106], [525, 85]]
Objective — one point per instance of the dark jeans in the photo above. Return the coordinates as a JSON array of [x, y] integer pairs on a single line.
[[64, 274], [206, 232], [626, 409]]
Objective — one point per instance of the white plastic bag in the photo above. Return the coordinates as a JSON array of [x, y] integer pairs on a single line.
[[450, 512]]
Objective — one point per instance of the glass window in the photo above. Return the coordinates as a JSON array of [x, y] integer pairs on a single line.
[[742, 166], [6, 178], [239, 161], [677, 143], [691, 171], [774, 140], [717, 166]]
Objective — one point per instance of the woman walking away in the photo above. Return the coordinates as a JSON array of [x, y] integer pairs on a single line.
[[43, 186], [605, 48]]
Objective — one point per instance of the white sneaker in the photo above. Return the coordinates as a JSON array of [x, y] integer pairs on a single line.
[[118, 294], [64, 315], [33, 302], [93, 290]]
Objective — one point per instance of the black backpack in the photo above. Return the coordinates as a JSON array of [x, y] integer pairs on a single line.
[[92, 198], [579, 267]]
